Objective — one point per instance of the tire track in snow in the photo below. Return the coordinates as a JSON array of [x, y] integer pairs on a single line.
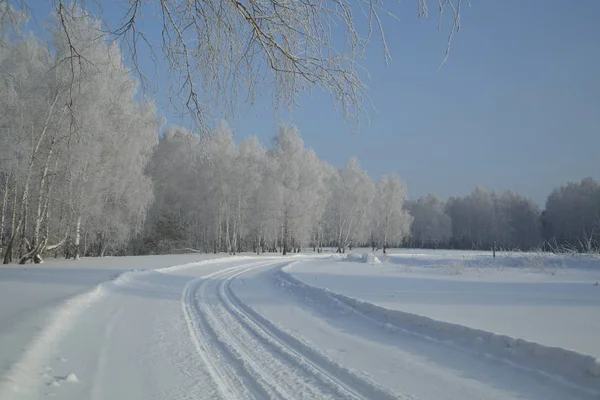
[[228, 384], [260, 358], [320, 364], [339, 379], [235, 365]]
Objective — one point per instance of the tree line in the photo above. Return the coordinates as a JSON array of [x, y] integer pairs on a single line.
[[74, 143], [484, 219], [83, 171], [212, 195]]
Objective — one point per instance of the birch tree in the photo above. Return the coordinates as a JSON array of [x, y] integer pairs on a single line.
[[572, 216], [74, 159], [352, 192], [112, 139], [177, 218], [31, 108], [248, 172], [219, 153], [297, 180], [431, 225], [390, 220]]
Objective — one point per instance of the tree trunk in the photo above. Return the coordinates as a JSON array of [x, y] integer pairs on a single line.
[[77, 237], [219, 229], [3, 215], [32, 253], [261, 237], [79, 213], [228, 239], [85, 246], [13, 217], [34, 151], [9, 249], [13, 230], [285, 233], [233, 244], [385, 242], [42, 202]]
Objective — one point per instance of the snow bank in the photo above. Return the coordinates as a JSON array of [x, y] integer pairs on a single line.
[[459, 262], [19, 376], [183, 267], [582, 371], [367, 258]]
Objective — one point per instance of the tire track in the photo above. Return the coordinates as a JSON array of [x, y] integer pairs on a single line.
[[241, 363], [341, 380], [254, 366], [247, 356], [225, 380]]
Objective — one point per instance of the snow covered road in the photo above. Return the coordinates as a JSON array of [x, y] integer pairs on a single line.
[[236, 328]]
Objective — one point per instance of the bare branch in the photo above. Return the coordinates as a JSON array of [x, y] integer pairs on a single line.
[[220, 52]]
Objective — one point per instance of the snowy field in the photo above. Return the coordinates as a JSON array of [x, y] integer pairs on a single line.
[[29, 294], [547, 299], [417, 325]]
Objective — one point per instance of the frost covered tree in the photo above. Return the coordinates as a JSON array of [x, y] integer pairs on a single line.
[[390, 221], [352, 192], [28, 103], [485, 218], [472, 219], [112, 138], [322, 195], [218, 153], [76, 143], [207, 192], [250, 207], [212, 194], [518, 221], [431, 225], [177, 218], [297, 180], [572, 216]]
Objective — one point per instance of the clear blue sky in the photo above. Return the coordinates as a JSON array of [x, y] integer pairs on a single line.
[[516, 106]]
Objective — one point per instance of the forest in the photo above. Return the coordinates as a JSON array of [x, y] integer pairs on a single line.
[[88, 169]]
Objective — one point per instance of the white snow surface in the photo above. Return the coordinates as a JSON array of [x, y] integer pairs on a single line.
[[551, 300], [244, 327]]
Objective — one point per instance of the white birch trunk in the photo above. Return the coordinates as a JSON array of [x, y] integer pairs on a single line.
[[77, 236]]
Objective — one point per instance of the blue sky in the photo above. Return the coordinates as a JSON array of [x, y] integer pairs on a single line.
[[516, 106]]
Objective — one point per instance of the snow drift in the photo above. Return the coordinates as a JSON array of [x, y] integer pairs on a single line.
[[580, 370], [367, 258]]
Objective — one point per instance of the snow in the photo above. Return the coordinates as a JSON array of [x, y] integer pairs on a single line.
[[510, 296], [249, 326], [410, 361], [367, 258], [30, 293]]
